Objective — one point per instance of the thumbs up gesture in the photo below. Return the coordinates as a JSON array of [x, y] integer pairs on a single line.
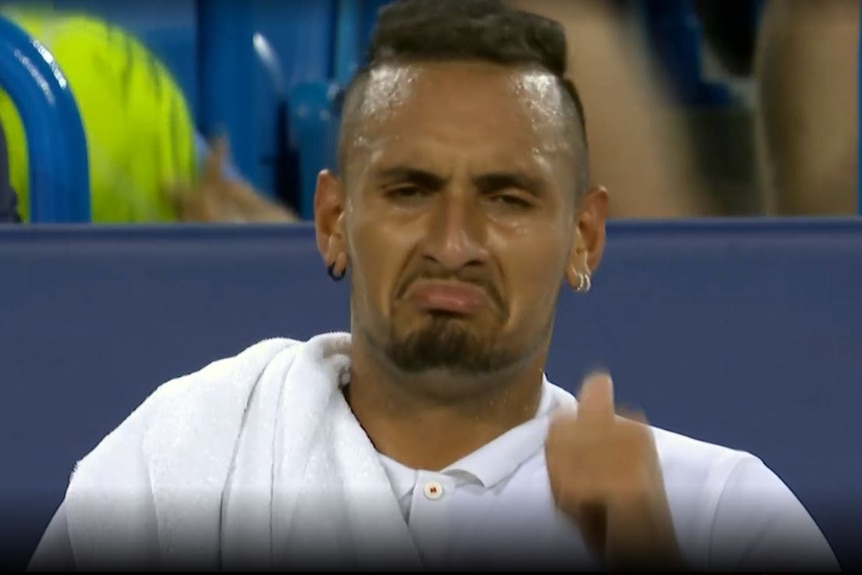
[[605, 475]]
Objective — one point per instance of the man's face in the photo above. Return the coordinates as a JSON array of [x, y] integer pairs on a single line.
[[459, 218]]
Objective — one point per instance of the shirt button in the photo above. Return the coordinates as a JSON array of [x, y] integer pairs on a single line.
[[433, 490]]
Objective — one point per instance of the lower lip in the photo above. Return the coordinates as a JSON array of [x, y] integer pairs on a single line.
[[451, 299]]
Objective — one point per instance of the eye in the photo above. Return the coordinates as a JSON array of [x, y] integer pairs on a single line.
[[511, 200], [406, 192]]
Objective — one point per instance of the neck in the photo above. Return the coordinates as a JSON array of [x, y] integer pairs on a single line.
[[432, 420]]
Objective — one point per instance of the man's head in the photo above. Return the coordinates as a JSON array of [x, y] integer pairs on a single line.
[[462, 202]]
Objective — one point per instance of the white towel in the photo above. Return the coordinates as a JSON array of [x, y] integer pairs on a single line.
[[255, 462]]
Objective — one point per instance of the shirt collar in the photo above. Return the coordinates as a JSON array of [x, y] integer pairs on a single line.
[[493, 462]]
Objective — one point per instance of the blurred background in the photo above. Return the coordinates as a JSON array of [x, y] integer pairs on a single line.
[[695, 107], [137, 133]]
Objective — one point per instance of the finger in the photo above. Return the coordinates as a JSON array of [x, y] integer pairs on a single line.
[[596, 399], [221, 147], [217, 158]]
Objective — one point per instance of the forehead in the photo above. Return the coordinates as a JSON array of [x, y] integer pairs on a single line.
[[505, 110]]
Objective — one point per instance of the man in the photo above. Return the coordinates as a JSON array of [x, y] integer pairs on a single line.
[[429, 438]]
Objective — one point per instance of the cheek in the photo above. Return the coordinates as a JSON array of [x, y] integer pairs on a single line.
[[377, 254], [534, 269]]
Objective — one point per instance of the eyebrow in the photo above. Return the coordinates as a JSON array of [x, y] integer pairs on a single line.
[[422, 178], [485, 183], [497, 181]]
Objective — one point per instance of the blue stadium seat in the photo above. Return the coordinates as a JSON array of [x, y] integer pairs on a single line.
[[313, 105], [300, 34], [314, 121], [742, 333], [208, 46]]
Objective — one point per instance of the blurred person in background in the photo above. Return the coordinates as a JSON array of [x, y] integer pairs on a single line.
[[147, 163], [803, 57], [806, 120], [639, 146], [807, 68]]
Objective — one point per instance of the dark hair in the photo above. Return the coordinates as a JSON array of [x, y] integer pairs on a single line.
[[483, 30]]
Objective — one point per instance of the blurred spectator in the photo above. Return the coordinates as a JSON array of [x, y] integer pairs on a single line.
[[218, 195], [804, 60], [639, 145], [807, 67], [141, 138]]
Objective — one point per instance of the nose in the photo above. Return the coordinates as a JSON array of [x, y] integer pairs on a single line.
[[456, 235]]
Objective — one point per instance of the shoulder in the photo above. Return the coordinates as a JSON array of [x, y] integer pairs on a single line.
[[220, 388], [709, 473], [684, 455], [232, 377], [731, 507], [229, 373]]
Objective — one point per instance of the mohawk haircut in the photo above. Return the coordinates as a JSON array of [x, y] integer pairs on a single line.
[[410, 31]]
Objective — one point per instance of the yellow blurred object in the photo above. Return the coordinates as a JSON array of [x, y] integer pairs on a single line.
[[140, 134]]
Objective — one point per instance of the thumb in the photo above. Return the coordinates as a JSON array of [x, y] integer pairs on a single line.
[[596, 398]]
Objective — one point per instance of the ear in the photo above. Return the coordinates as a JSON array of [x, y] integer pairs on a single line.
[[588, 244], [329, 217]]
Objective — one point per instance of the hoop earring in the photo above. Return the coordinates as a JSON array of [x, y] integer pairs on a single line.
[[336, 277], [584, 283]]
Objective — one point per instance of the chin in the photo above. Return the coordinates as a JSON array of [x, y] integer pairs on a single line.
[[454, 344]]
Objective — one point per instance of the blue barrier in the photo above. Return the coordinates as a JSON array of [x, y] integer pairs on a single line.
[[59, 181], [745, 333]]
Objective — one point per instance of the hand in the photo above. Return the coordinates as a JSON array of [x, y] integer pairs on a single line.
[[606, 476], [215, 198]]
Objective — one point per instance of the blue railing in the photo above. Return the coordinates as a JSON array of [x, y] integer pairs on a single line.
[[59, 182]]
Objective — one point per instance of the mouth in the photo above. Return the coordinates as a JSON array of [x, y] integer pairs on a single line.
[[448, 297]]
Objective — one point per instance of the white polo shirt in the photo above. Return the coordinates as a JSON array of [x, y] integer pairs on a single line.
[[729, 510], [494, 509]]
